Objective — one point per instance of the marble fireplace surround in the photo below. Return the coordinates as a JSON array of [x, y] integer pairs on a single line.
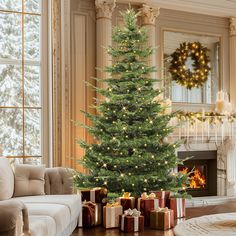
[[226, 171]]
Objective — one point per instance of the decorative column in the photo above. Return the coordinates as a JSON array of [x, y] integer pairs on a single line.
[[148, 19], [232, 61], [56, 83], [104, 9]]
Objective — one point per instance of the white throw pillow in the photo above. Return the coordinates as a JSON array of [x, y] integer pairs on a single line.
[[6, 179]]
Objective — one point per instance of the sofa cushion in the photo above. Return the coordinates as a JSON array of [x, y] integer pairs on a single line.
[[73, 202], [60, 214], [58, 180], [42, 225], [6, 179], [29, 180]]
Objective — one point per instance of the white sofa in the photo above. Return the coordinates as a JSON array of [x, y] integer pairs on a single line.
[[54, 214]]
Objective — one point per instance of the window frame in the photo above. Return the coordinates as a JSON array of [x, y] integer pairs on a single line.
[[44, 81]]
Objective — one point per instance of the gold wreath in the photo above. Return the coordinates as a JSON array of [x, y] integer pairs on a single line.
[[196, 77]]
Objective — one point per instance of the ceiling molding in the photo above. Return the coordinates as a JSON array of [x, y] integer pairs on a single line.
[[221, 8]]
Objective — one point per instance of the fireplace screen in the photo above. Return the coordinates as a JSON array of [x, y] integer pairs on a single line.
[[197, 175]]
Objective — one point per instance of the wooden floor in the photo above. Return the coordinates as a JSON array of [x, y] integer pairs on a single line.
[[191, 212]]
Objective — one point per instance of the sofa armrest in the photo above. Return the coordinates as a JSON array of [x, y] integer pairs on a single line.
[[59, 180], [10, 211]]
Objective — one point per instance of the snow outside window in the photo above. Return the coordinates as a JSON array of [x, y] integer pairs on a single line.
[[20, 80]]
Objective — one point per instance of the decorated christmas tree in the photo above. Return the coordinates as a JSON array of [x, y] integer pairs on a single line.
[[131, 126]]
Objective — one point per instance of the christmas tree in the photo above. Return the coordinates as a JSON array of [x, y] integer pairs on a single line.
[[131, 126]]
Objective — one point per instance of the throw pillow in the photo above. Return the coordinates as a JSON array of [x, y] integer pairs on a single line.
[[29, 180], [6, 179]]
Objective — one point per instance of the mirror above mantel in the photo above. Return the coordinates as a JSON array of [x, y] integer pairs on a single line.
[[196, 97]]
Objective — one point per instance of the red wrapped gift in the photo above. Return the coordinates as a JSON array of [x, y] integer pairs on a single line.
[[131, 221], [148, 203], [162, 219], [178, 206], [91, 215], [162, 194], [95, 195], [126, 201], [111, 214]]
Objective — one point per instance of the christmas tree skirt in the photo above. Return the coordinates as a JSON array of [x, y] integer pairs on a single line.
[[217, 225]]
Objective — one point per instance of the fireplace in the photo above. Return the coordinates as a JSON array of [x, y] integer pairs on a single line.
[[203, 172]]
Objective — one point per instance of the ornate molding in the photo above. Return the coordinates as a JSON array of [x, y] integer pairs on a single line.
[[148, 14], [104, 8], [232, 26]]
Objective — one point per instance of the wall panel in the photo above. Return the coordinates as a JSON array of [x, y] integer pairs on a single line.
[[83, 69]]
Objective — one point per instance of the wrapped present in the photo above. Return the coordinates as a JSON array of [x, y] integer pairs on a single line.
[[162, 219], [91, 215], [95, 195], [148, 203], [126, 201], [111, 214], [163, 195], [131, 221], [178, 206]]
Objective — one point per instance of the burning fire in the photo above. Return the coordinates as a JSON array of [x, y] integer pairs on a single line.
[[196, 179]]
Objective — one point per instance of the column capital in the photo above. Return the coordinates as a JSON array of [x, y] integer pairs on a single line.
[[149, 14], [232, 26], [104, 8]]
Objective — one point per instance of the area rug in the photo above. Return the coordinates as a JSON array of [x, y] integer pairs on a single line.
[[217, 225]]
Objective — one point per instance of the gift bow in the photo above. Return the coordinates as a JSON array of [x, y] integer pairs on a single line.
[[133, 212], [126, 195], [112, 204], [162, 209], [146, 196]]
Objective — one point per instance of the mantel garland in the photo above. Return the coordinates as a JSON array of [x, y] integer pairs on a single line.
[[211, 116], [196, 77]]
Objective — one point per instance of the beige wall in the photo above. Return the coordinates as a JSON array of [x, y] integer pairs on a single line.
[[80, 61]]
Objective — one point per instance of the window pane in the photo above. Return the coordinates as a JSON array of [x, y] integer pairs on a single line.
[[32, 37], [11, 5], [11, 132], [10, 85], [32, 86], [10, 35], [32, 132], [32, 6]]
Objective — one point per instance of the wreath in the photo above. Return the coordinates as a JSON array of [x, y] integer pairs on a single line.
[[193, 77]]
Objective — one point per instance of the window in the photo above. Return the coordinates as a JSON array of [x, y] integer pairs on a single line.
[[20, 79], [207, 93]]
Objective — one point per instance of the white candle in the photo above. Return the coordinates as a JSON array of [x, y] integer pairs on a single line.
[[222, 131], [208, 129], [215, 132], [196, 127], [202, 131]]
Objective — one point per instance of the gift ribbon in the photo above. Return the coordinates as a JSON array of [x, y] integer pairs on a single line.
[[92, 195], [179, 207], [163, 194], [135, 213], [112, 204]]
